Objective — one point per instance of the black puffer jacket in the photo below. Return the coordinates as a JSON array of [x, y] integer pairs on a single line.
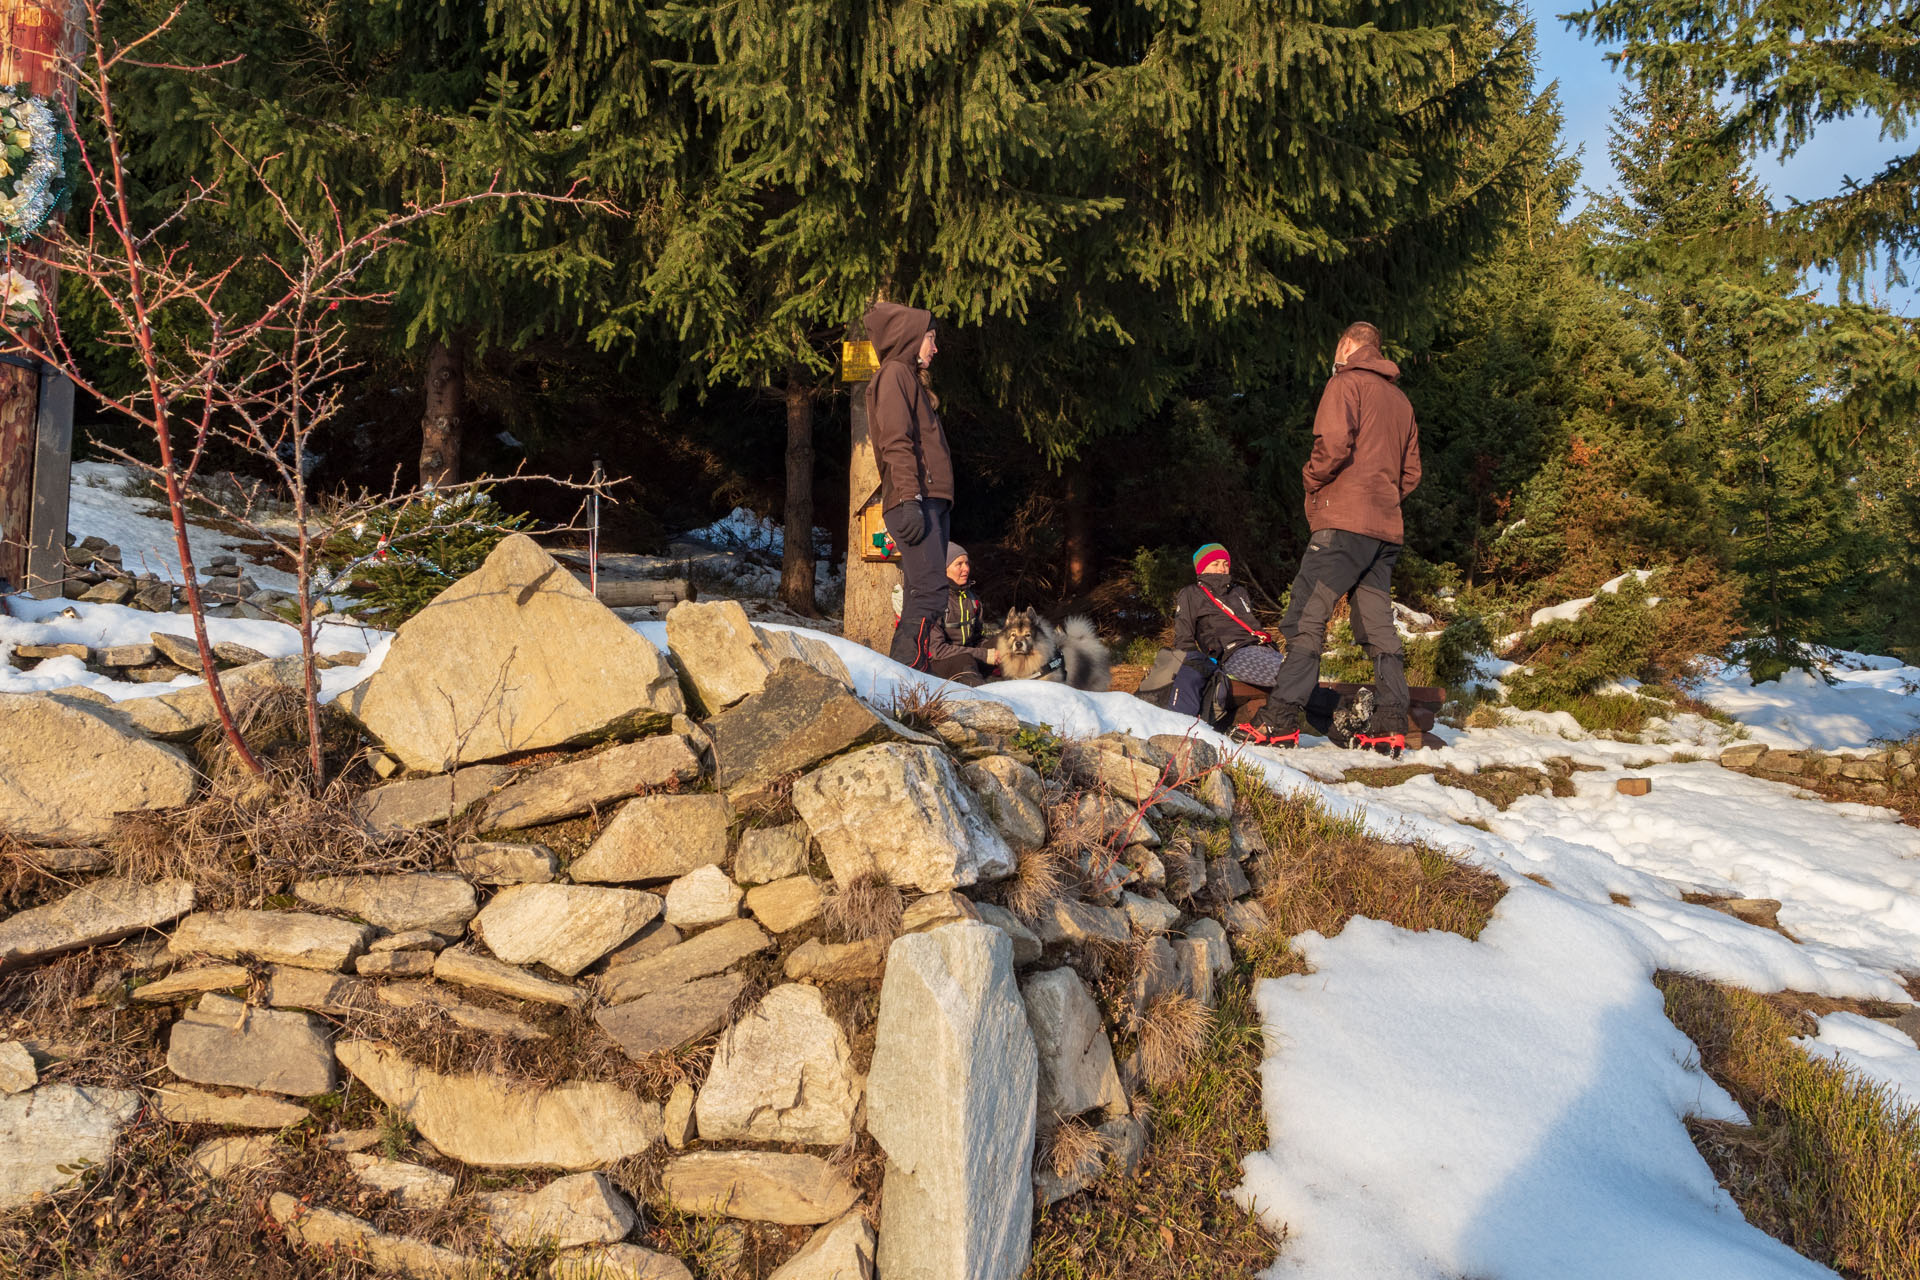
[[1202, 629]]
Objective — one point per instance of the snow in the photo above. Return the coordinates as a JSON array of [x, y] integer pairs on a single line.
[[1870, 700], [742, 528], [1572, 609], [1506, 1108], [101, 505], [1872, 1051]]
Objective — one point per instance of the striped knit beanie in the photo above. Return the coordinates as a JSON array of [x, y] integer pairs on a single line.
[[1212, 558]]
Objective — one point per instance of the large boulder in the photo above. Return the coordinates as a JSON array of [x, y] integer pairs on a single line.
[[419, 900], [498, 1124], [66, 768], [50, 1134], [225, 1041], [783, 1073], [104, 911], [716, 646], [563, 926], [516, 656], [760, 1186], [900, 812], [799, 719], [658, 838], [578, 786], [951, 1099], [1011, 792], [1076, 1058]]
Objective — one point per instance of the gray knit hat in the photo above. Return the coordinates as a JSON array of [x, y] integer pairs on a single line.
[[955, 551]]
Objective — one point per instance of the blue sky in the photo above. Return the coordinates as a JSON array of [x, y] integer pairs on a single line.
[[1590, 89]]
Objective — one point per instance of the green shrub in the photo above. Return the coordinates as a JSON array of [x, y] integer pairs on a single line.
[[1448, 659], [1158, 574], [430, 544]]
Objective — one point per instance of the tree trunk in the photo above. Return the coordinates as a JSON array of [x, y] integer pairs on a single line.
[[796, 562], [440, 424], [870, 583], [1078, 554]]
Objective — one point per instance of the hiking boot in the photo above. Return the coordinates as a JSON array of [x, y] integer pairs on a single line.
[[1248, 734], [1387, 744], [1282, 723]]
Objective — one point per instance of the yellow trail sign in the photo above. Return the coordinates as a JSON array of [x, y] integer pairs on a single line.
[[857, 361]]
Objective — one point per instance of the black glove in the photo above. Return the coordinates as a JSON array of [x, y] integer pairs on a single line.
[[907, 523]]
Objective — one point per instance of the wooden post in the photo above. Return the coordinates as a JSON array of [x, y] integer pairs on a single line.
[[869, 607], [440, 424], [34, 466], [796, 560]]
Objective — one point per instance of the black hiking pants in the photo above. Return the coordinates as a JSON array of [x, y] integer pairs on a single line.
[[923, 603], [1338, 563]]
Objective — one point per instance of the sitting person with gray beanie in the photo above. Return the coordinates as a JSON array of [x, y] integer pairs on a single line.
[[955, 644]]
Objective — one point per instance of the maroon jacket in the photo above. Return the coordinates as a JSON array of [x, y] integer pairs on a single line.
[[1366, 450], [909, 444]]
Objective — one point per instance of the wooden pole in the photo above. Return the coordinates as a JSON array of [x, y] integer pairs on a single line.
[[868, 617], [34, 467]]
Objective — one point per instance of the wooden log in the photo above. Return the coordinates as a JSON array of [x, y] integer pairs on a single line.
[[1633, 786], [628, 593]]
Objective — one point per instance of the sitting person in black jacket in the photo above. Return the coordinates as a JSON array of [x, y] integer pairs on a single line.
[[1214, 626], [956, 645]]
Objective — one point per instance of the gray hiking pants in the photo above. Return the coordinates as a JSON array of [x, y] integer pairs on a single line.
[[1338, 563]]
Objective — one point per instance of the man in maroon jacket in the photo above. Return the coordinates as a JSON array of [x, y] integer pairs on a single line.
[[1366, 459]]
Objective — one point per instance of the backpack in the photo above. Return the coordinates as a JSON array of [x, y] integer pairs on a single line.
[[1216, 705]]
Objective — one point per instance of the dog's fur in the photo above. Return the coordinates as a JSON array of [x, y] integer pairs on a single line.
[[1028, 644]]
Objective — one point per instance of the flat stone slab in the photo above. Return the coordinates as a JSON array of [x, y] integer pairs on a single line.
[[700, 956], [842, 1248], [619, 1262], [101, 912], [49, 1135], [67, 768], [702, 896], [183, 1104], [226, 1041], [783, 1073], [395, 964], [658, 838], [671, 1018], [771, 853], [580, 1209], [758, 1186], [1069, 920], [192, 982], [516, 656], [18, 1072], [428, 802], [297, 938], [219, 1158], [290, 987], [503, 862], [187, 713], [716, 646], [471, 969], [483, 1120], [817, 961], [411, 1186], [786, 904], [563, 926], [330, 1232], [434, 901], [581, 786]]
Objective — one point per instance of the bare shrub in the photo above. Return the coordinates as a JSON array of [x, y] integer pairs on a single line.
[[865, 907], [919, 707]]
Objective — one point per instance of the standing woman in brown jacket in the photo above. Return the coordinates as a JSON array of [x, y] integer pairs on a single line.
[[916, 471]]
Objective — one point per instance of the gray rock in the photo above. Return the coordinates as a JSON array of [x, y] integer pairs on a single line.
[[786, 904], [1026, 943], [332, 1233], [930, 911], [182, 651], [759, 1186], [104, 911], [771, 853], [799, 719], [236, 655], [69, 767], [818, 962], [50, 1135], [563, 926], [1011, 793], [1076, 1058], [187, 713], [668, 1019], [186, 983], [291, 987], [1743, 755], [112, 591], [516, 656], [1213, 939], [1247, 919], [1195, 974], [801, 645], [409, 940], [153, 596], [1135, 780], [423, 996], [17, 1070], [411, 1186], [605, 778], [951, 1099], [652, 940], [491, 1122], [565, 1214], [715, 645], [1226, 881], [428, 802], [677, 1117], [1215, 790], [617, 1262], [783, 1073], [471, 969], [1149, 915], [433, 901], [219, 1158], [702, 896], [1155, 974], [395, 964], [297, 938], [900, 812], [225, 1041], [1189, 755], [127, 655], [700, 956], [658, 838], [69, 861], [1069, 920], [841, 1250], [500, 862], [1178, 806], [184, 1105]]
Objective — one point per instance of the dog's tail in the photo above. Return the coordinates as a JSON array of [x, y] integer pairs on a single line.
[[1088, 664]]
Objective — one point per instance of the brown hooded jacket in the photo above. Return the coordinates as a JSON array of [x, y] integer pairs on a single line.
[[1366, 450], [909, 444]]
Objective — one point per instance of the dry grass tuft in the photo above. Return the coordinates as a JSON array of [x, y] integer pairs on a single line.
[[1172, 1033], [1039, 879], [866, 907], [919, 707], [1075, 1147], [1830, 1164]]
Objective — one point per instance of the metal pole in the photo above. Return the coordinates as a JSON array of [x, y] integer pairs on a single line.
[[593, 529]]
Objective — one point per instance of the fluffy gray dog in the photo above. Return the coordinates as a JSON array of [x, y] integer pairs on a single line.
[[1031, 648]]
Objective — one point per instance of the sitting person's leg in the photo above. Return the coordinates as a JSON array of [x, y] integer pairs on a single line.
[[961, 668], [1188, 684]]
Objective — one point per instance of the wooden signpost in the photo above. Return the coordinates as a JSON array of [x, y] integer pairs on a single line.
[[868, 616], [36, 405]]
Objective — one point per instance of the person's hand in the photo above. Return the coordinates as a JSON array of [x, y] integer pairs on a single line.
[[908, 523]]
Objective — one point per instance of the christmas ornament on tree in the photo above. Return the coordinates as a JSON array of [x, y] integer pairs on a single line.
[[34, 182]]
